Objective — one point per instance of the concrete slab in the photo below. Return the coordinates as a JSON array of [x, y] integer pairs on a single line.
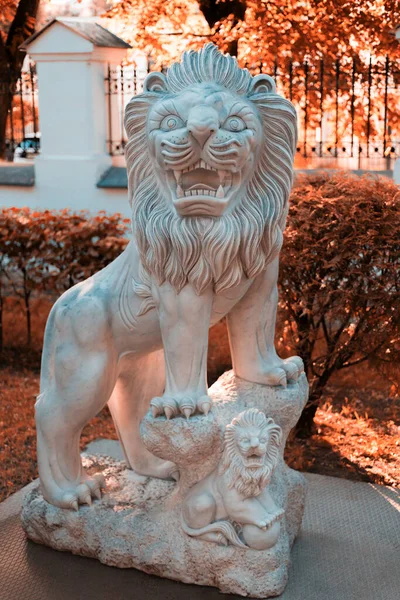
[[114, 177], [104, 447], [21, 175], [349, 549]]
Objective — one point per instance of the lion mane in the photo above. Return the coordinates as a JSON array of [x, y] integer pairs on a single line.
[[249, 482], [204, 251]]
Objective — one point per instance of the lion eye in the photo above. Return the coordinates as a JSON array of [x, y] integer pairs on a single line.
[[234, 123], [171, 122]]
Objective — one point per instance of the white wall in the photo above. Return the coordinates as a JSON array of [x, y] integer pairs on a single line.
[[111, 200], [396, 171]]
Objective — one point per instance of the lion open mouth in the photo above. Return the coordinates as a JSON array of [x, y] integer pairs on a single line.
[[201, 189], [254, 460]]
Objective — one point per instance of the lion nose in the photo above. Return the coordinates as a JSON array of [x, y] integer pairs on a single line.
[[254, 443], [202, 123]]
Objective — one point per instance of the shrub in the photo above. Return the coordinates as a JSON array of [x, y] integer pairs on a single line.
[[339, 274], [340, 278], [48, 251]]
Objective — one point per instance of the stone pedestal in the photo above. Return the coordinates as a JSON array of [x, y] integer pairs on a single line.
[[137, 522]]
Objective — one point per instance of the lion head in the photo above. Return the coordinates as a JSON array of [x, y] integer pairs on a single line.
[[251, 450], [209, 159]]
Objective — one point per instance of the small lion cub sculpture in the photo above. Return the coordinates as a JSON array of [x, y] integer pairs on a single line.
[[232, 504]]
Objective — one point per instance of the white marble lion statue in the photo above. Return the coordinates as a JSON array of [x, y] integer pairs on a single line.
[[209, 160]]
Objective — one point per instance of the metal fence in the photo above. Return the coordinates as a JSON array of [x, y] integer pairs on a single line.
[[348, 110], [22, 127], [122, 82]]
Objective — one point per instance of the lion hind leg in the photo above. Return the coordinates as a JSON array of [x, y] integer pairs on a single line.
[[140, 378], [61, 413]]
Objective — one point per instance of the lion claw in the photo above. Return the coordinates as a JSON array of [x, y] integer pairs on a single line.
[[97, 493], [187, 407], [204, 405], [169, 413], [170, 408], [156, 407]]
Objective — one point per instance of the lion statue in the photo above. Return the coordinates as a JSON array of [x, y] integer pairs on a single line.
[[209, 160], [236, 491]]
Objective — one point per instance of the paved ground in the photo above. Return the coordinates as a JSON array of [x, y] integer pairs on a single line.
[[349, 549]]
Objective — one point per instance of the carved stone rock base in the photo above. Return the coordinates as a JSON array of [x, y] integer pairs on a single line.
[[137, 522]]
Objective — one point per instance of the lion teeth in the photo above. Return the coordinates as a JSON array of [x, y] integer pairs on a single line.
[[177, 175], [187, 193], [200, 164], [220, 192], [179, 192]]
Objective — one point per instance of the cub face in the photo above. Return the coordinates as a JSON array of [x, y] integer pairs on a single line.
[[252, 443], [204, 143]]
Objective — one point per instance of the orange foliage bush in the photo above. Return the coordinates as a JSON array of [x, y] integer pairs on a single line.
[[50, 251], [340, 278]]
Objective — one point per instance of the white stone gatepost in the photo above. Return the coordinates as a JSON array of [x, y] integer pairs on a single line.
[[72, 56]]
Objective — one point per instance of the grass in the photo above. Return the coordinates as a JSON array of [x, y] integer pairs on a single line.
[[357, 437]]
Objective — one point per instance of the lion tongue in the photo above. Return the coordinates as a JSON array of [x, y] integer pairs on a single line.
[[200, 179]]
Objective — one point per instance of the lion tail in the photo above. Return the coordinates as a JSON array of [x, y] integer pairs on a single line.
[[223, 527]]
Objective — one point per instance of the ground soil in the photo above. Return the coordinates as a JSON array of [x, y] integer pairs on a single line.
[[357, 425]]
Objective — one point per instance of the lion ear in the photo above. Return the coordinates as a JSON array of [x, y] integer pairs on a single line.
[[262, 84], [155, 82]]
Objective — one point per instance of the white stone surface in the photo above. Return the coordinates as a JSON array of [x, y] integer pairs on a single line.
[[137, 523]]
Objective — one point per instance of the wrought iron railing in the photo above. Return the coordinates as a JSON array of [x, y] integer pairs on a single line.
[[20, 94], [347, 109]]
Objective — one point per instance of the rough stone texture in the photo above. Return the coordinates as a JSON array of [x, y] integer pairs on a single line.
[[137, 522]]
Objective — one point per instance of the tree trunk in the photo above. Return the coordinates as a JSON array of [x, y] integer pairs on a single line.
[[215, 10], [28, 319], [4, 95], [11, 59], [305, 426], [1, 319], [4, 104]]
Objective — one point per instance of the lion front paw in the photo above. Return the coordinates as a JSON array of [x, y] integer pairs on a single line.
[[278, 371], [269, 519], [174, 407]]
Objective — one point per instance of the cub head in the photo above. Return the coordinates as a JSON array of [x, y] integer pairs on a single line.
[[251, 451], [209, 159]]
